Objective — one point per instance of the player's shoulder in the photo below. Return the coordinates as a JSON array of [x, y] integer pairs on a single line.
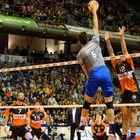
[[42, 111], [94, 124], [103, 123]]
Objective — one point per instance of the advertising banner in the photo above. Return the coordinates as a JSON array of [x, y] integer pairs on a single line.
[[87, 135], [12, 58], [18, 21], [102, 32], [54, 26]]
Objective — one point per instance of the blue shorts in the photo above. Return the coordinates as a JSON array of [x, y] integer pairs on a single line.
[[99, 77]]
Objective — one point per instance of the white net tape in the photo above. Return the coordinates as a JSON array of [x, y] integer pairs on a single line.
[[63, 63], [69, 106]]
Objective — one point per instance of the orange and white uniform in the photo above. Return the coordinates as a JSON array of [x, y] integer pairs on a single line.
[[37, 118], [98, 128], [18, 115], [126, 76]]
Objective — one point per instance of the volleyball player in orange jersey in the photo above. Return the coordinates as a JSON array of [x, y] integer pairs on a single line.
[[18, 125], [99, 128], [35, 120], [124, 68]]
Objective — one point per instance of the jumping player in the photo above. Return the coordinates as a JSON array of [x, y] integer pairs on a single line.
[[124, 68], [92, 62]]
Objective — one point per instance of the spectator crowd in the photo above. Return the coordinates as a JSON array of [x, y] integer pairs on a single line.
[[50, 86], [74, 12], [59, 85]]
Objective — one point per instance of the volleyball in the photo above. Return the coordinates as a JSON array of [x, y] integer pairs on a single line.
[[93, 4]]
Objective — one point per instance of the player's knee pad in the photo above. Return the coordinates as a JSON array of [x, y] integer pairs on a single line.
[[28, 136], [86, 105], [109, 105], [45, 137]]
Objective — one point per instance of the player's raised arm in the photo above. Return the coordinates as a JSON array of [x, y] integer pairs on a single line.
[[108, 44], [93, 7], [123, 43]]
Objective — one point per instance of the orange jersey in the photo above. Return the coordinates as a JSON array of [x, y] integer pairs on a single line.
[[18, 116], [36, 118], [126, 76], [98, 128]]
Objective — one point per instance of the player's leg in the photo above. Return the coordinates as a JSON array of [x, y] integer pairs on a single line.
[[14, 133], [40, 134], [108, 92], [90, 89], [24, 132], [125, 122], [133, 122]]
